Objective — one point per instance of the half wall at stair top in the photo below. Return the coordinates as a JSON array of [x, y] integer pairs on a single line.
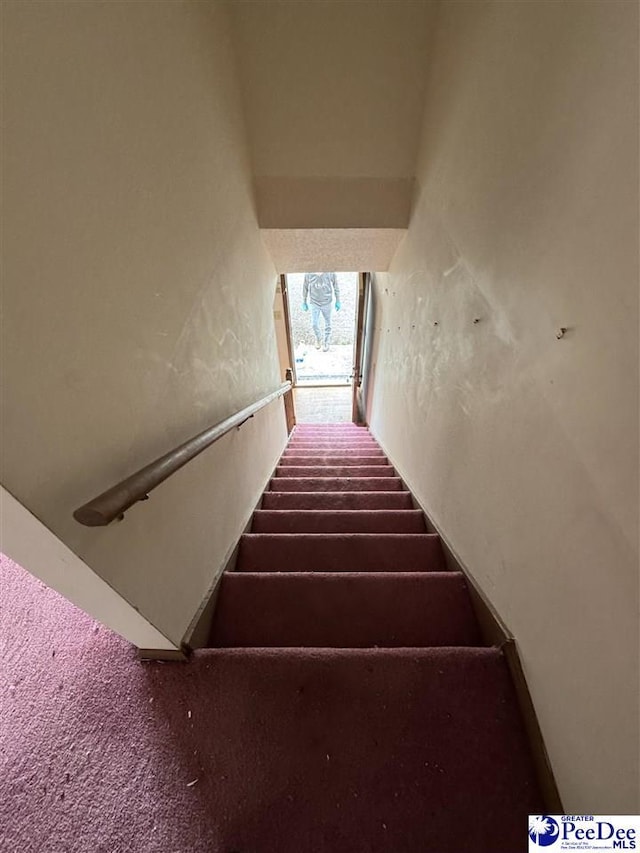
[[333, 95], [329, 249]]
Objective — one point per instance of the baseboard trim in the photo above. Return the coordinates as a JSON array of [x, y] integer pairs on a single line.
[[539, 754], [175, 655], [494, 632], [199, 631], [200, 628]]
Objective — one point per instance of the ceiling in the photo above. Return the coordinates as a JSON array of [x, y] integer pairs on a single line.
[[334, 94]]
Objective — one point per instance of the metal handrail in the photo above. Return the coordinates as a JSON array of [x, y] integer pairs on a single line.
[[113, 503]]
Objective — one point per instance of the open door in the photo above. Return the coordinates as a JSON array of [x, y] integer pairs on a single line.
[[283, 338], [323, 346], [364, 295]]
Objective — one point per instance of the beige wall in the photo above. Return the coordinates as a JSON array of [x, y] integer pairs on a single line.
[[137, 292], [334, 97], [333, 90], [524, 448], [29, 543], [300, 250], [341, 203]]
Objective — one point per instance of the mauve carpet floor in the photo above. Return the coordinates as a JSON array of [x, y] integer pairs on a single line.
[[102, 754]]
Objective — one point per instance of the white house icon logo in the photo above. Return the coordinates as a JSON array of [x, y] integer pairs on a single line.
[[543, 830]]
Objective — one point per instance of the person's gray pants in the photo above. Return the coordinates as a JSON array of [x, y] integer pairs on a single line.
[[316, 311]]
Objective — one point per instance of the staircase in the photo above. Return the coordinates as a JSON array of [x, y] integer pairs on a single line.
[[359, 707]]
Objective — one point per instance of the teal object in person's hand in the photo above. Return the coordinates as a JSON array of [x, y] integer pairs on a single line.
[[305, 307], [337, 306]]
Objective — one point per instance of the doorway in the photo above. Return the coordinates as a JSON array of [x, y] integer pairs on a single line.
[[324, 368], [322, 361]]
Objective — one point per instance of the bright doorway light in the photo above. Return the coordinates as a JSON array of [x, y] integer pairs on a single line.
[[314, 366]]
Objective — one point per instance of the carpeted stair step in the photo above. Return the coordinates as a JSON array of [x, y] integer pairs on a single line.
[[335, 484], [337, 500], [358, 432], [349, 610], [332, 460], [328, 452], [323, 433], [331, 434], [338, 521], [345, 439], [327, 436], [349, 750], [330, 427], [338, 552], [335, 471], [372, 452], [315, 447], [348, 439]]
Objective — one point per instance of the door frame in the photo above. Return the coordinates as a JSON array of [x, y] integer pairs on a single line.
[[364, 296], [291, 351], [290, 374], [287, 325]]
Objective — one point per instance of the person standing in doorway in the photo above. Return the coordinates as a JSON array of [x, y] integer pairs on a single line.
[[319, 289]]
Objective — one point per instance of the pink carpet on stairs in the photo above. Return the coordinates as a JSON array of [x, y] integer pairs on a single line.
[[337, 500], [370, 717], [344, 610], [338, 569], [336, 484], [340, 552], [343, 521]]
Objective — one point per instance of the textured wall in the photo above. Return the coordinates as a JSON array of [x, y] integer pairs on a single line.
[[523, 447], [138, 294], [326, 249]]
